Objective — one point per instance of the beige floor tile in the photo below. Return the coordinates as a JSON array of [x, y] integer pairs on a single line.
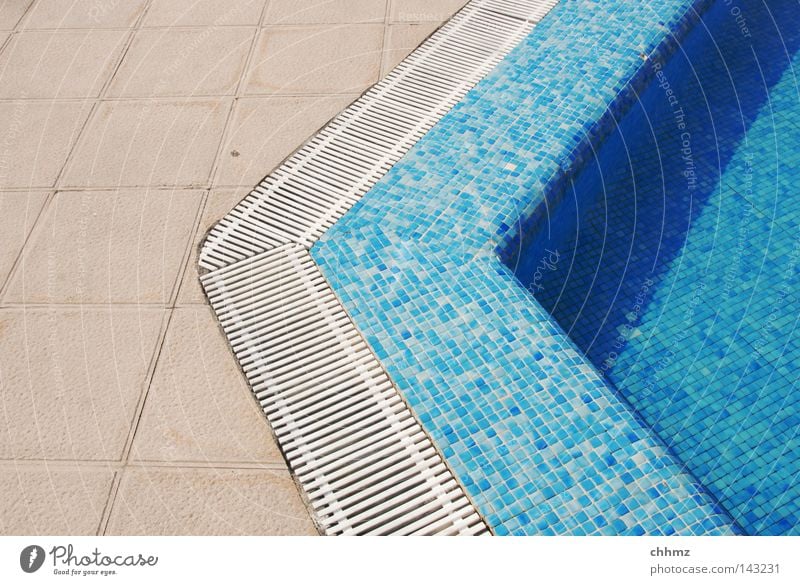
[[107, 247], [149, 143], [164, 62], [203, 12], [94, 14], [67, 64], [18, 212], [37, 137], [321, 59], [324, 11], [199, 407], [208, 502], [11, 11], [54, 500], [264, 131], [423, 10], [403, 39], [220, 202], [71, 380]]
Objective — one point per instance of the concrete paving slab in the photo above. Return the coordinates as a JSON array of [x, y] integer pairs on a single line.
[[72, 379], [316, 60], [52, 499], [164, 501], [203, 12], [123, 246], [149, 143], [199, 407], [59, 64], [167, 62], [86, 14], [325, 11], [37, 138], [264, 131]]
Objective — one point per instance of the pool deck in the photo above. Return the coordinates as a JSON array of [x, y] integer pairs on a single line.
[[128, 130]]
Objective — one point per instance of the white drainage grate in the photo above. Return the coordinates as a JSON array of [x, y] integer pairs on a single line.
[[363, 460], [533, 11], [366, 465], [316, 185]]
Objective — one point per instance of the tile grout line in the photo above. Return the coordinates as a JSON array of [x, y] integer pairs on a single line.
[[6, 41], [105, 514], [235, 96], [23, 16], [134, 424], [102, 94], [118, 475], [243, 74], [28, 235], [185, 97], [387, 9], [172, 298], [54, 188], [121, 306], [117, 464]]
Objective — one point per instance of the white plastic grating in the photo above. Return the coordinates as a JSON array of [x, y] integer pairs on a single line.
[[364, 462], [315, 186], [524, 9]]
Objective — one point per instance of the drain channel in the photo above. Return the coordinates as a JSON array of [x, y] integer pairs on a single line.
[[363, 460], [365, 463]]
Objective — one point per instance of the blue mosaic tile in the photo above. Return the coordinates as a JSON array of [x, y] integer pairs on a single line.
[[540, 440]]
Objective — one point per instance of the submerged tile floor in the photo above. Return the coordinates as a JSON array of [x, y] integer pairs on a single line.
[[114, 171]]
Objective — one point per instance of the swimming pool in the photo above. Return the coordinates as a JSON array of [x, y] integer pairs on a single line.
[[672, 258], [541, 443]]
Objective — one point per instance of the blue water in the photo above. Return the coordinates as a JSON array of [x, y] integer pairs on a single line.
[[673, 259]]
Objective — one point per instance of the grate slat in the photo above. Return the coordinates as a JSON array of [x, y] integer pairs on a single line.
[[337, 414]]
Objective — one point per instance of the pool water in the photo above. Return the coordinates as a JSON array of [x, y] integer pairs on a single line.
[[673, 259]]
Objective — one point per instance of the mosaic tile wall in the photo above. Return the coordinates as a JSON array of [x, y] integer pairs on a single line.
[[541, 442], [679, 279]]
